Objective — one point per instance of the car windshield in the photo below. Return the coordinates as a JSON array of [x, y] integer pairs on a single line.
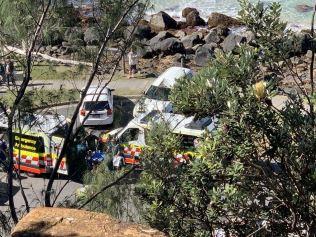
[[96, 105], [158, 93]]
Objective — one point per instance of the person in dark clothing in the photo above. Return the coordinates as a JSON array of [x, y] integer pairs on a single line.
[[92, 141], [2, 73]]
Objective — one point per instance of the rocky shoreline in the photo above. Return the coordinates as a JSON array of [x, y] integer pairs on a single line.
[[164, 42]]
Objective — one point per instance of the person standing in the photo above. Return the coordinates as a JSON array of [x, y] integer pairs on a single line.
[[2, 73], [9, 72], [132, 61]]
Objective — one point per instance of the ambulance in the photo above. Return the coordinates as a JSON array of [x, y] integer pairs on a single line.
[[133, 136], [37, 142]]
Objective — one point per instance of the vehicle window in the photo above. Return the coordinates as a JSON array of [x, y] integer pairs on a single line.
[[130, 134], [28, 143], [158, 93], [96, 105]]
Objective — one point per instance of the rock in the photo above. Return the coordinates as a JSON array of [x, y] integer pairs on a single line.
[[232, 41], [140, 32], [199, 34], [194, 19], [55, 48], [162, 21], [181, 25], [195, 47], [42, 49], [190, 40], [160, 37], [180, 34], [203, 56], [143, 22], [309, 54], [48, 48], [250, 36], [52, 222], [169, 46], [211, 46], [145, 52], [218, 19], [188, 10], [303, 8], [92, 36], [212, 37]]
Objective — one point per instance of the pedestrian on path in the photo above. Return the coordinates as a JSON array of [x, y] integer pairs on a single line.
[[9, 72], [2, 73], [132, 61]]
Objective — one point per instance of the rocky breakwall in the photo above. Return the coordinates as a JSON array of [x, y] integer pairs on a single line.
[[165, 42], [52, 222], [192, 39]]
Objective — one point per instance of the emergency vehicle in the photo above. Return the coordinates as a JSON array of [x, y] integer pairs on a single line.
[[133, 136], [37, 142]]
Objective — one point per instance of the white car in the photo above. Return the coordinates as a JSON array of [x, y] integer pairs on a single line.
[[97, 107], [157, 95]]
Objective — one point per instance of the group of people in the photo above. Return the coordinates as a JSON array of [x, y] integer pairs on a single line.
[[7, 72], [101, 146]]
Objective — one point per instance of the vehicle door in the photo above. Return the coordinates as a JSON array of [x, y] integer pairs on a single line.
[[56, 146]]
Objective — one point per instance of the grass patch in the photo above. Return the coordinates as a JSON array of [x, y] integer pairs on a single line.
[[39, 98], [54, 71]]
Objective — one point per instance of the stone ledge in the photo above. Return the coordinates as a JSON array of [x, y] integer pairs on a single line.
[[57, 222]]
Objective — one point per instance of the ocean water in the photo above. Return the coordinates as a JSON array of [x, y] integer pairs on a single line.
[[231, 8]]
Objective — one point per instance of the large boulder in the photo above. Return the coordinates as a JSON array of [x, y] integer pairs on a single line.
[[140, 32], [160, 37], [92, 36], [194, 19], [203, 55], [162, 21], [190, 40], [232, 41], [218, 19], [212, 37], [188, 10], [169, 46], [44, 222]]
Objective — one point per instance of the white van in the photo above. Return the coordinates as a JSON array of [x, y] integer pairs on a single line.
[[157, 95], [98, 106]]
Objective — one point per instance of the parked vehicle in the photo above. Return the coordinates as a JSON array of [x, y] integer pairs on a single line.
[[37, 142], [157, 95], [97, 107], [133, 136]]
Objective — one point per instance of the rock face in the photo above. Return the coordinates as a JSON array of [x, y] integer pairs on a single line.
[[188, 10], [169, 46], [190, 40], [53, 222], [218, 19], [162, 21], [194, 19], [232, 41], [203, 55]]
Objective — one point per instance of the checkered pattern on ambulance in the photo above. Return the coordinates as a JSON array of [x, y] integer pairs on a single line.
[[131, 154]]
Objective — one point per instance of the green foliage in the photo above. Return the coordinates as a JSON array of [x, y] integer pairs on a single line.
[[256, 172], [118, 201]]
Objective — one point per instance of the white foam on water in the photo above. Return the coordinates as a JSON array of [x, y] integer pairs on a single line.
[[231, 8]]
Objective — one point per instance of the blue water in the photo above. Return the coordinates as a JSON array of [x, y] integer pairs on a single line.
[[231, 7]]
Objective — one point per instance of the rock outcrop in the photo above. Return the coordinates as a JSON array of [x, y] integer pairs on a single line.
[[162, 21], [57, 222], [218, 19]]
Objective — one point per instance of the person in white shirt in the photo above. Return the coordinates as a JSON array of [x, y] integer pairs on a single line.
[[132, 61]]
